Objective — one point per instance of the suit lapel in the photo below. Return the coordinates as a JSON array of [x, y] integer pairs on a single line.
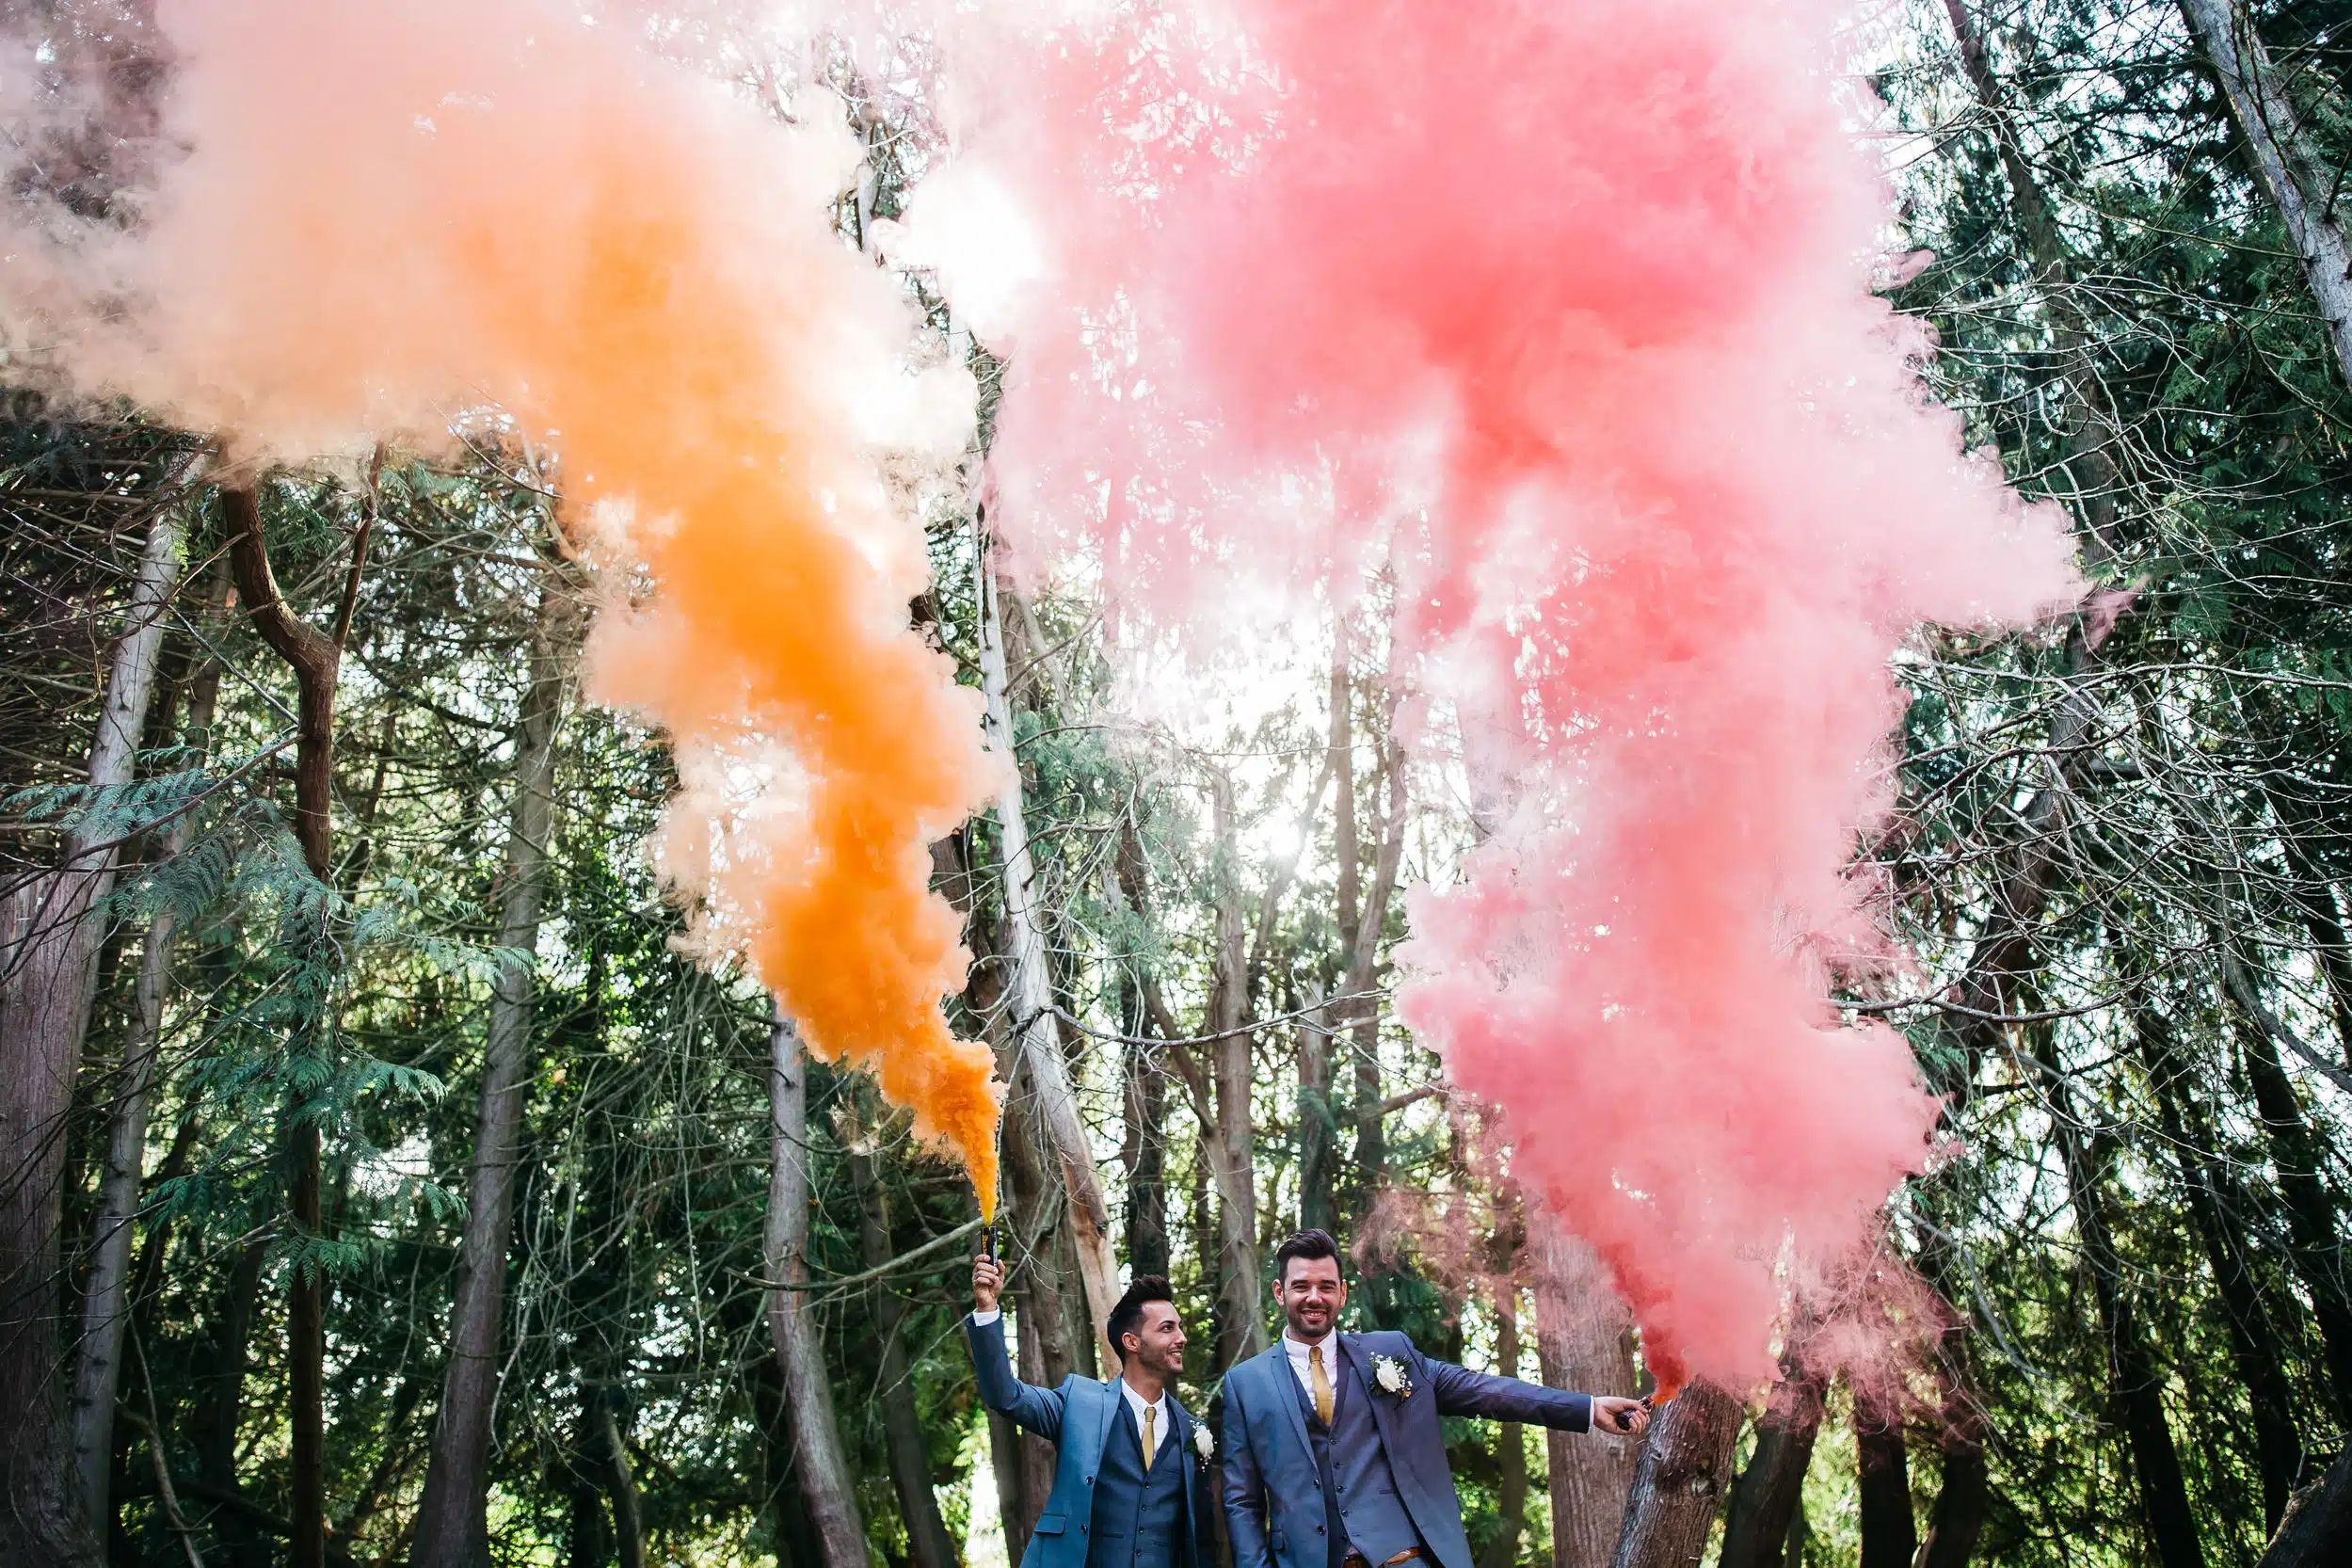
[[1113, 1400], [1360, 1363], [1180, 1449], [1277, 1364]]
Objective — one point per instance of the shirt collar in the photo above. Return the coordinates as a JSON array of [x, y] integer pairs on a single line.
[[1138, 1401]]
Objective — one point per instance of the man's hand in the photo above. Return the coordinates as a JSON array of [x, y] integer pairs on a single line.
[[987, 1281], [1620, 1418]]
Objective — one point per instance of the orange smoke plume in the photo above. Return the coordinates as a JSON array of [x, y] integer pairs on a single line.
[[387, 211]]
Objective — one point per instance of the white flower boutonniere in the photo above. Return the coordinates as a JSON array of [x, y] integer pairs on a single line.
[[1389, 1374], [1204, 1442]]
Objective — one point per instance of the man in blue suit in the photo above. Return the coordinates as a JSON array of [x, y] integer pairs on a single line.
[[1126, 1480], [1334, 1455]]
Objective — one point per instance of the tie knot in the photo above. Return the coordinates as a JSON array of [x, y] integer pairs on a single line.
[[1315, 1355]]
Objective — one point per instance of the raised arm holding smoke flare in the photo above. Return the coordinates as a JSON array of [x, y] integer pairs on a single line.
[[1334, 1453], [1128, 1488]]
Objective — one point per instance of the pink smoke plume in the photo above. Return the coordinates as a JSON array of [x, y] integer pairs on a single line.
[[381, 214], [1570, 306]]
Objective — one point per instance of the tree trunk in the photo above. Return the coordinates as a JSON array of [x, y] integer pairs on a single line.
[[1767, 1497], [1240, 1316], [1965, 1487], [2213, 1196], [221, 1403], [1030, 983], [106, 1297], [2005, 954], [2087, 430], [1680, 1481], [2313, 1247], [2318, 1532], [2280, 160], [452, 1521], [628, 1508], [1890, 1534], [1510, 1442], [927, 1540], [317, 661], [49, 941], [1582, 1333], [827, 1487], [1145, 1145], [2170, 1522], [2314, 899], [1317, 1163], [1372, 1145]]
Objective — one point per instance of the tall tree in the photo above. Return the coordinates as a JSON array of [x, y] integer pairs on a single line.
[[2168, 1517], [907, 1451], [1029, 981], [50, 934], [2278, 152], [105, 1293], [1768, 1495], [828, 1490], [316, 659], [1681, 1481], [1241, 1319], [453, 1518], [1583, 1338]]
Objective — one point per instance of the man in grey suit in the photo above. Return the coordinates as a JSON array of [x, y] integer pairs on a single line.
[[1126, 1480], [1334, 1457]]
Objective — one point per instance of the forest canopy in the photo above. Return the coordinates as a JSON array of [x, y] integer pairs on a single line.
[[416, 1147]]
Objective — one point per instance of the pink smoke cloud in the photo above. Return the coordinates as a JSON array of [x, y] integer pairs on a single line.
[[1570, 306]]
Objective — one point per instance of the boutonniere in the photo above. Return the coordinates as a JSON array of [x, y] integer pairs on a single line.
[[1389, 1377], [1204, 1441]]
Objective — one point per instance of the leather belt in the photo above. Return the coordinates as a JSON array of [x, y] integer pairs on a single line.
[[1357, 1559]]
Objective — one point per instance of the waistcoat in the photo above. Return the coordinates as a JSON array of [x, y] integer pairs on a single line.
[[1361, 1507], [1139, 1517]]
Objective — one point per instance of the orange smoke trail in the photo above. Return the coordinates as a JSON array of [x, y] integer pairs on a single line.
[[390, 209]]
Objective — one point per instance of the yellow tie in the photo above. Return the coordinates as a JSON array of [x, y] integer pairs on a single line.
[[1149, 1411], [1321, 1382]]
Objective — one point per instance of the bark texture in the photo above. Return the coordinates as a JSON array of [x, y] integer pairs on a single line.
[[1030, 985], [317, 661], [1582, 1342], [1241, 1318], [453, 1519], [49, 944], [2279, 158], [105, 1295], [928, 1545], [1889, 1535], [1767, 1499], [2318, 1532], [828, 1490], [1681, 1481]]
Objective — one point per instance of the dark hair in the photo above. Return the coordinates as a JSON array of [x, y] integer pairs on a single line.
[[1307, 1244], [1141, 1293]]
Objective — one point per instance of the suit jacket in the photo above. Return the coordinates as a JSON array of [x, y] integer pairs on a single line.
[[1079, 1418], [1273, 1492]]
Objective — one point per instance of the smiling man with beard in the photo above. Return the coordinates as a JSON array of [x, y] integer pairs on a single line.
[[1334, 1453], [1129, 1457]]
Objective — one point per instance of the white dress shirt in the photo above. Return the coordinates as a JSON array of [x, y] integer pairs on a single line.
[[1136, 1403], [1296, 1350], [1161, 1420]]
